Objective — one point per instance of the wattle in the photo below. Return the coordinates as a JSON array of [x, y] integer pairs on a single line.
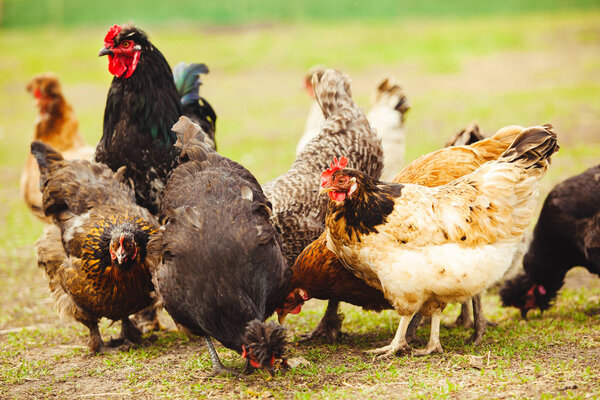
[[116, 65], [337, 196]]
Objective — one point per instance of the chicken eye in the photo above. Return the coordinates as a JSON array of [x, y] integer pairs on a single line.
[[126, 44]]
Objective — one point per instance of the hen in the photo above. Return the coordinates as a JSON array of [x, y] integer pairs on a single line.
[[567, 234], [221, 288], [298, 210], [95, 255], [425, 247], [387, 116], [142, 105], [317, 272], [56, 125]]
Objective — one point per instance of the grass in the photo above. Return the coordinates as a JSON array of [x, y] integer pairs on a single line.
[[527, 69], [81, 12]]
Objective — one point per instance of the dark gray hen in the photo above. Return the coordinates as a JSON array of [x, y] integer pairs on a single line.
[[221, 271]]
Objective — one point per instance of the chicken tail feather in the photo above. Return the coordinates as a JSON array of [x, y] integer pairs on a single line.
[[332, 91], [532, 148], [45, 156]]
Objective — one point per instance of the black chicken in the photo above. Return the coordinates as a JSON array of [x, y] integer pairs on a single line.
[[144, 101], [222, 272], [567, 234]]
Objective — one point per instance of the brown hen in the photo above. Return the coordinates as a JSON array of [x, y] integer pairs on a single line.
[[95, 254], [56, 125]]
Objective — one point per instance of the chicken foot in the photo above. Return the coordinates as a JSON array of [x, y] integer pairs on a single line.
[[217, 366], [130, 335], [95, 344], [434, 345], [330, 326], [411, 331], [481, 323], [398, 344]]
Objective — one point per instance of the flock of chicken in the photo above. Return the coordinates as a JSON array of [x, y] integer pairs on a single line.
[[160, 219]]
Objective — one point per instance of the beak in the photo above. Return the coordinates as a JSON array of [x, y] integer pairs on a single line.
[[281, 318], [121, 255], [325, 190], [105, 51]]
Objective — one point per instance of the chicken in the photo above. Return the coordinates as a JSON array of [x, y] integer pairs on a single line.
[[467, 136], [317, 272], [315, 118], [56, 125], [567, 234], [95, 254], [425, 247], [221, 288], [142, 105], [386, 117], [298, 210]]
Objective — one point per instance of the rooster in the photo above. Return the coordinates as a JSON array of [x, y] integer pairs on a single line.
[[298, 210], [143, 104], [56, 125], [425, 247], [226, 288], [567, 234], [95, 254], [317, 272]]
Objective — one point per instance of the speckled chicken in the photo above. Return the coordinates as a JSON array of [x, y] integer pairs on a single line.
[[298, 210], [221, 270], [95, 254]]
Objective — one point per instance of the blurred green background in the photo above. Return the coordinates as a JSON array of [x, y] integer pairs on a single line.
[[82, 12]]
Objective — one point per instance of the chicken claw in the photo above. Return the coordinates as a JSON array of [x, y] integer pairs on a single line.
[[391, 350]]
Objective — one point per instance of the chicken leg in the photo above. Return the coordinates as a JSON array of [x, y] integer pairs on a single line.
[[330, 326], [434, 345], [217, 367], [481, 323], [398, 344]]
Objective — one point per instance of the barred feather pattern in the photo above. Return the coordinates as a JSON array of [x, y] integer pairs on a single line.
[[298, 210]]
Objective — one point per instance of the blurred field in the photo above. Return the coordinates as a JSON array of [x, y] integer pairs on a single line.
[[524, 69]]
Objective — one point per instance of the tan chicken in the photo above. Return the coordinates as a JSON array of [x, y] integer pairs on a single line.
[[57, 126], [317, 272], [424, 247]]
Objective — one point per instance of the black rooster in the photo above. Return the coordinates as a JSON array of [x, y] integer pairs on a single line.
[[144, 101], [222, 272]]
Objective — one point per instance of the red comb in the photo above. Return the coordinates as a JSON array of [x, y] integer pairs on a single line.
[[334, 166], [109, 39], [37, 94]]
